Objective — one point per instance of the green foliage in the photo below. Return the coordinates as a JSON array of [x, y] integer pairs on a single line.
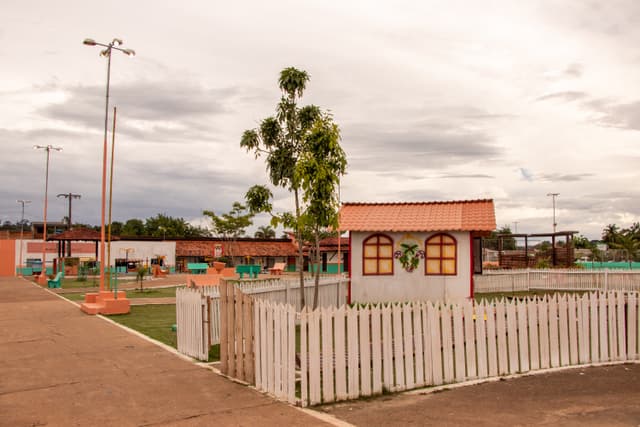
[[543, 263], [302, 154], [165, 226], [581, 242], [133, 227], [232, 224], [508, 243], [265, 232]]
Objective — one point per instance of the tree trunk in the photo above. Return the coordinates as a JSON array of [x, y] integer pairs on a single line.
[[317, 272], [300, 253]]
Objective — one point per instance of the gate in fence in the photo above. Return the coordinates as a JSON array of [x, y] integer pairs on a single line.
[[236, 333]]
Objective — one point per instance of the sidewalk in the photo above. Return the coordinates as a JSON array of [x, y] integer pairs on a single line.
[[60, 367]]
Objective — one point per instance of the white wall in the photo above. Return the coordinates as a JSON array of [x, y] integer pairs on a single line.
[[405, 286], [144, 250], [141, 250]]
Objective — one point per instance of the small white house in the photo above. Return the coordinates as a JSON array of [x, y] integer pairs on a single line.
[[415, 251]]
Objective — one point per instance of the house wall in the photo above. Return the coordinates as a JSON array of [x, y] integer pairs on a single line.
[[405, 286], [7, 258]]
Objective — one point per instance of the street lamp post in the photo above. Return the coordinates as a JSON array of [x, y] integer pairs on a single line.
[[22, 202], [113, 45], [69, 196], [553, 196], [42, 279]]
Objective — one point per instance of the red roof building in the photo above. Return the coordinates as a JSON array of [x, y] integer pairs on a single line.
[[415, 251]]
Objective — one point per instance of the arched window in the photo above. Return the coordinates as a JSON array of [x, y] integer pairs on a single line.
[[377, 255], [441, 257]]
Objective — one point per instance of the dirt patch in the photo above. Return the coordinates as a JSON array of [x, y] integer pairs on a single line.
[[594, 396]]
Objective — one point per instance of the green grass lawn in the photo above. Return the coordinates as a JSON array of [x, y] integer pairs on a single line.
[[154, 321]]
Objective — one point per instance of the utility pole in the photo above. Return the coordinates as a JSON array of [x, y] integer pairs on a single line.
[[22, 202], [553, 196], [70, 196], [42, 279], [515, 227]]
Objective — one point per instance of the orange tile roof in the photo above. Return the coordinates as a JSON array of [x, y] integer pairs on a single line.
[[462, 215]]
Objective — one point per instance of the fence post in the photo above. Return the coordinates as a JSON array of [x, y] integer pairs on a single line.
[[528, 279], [606, 279]]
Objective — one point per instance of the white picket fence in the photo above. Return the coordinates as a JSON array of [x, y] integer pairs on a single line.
[[192, 318], [352, 352], [563, 280], [193, 310]]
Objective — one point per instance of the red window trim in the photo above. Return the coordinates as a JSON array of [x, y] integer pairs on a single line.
[[377, 258], [441, 258]]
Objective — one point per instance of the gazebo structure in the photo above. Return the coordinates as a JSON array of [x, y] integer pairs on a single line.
[[559, 256]]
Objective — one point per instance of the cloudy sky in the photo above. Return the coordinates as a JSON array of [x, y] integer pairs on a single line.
[[436, 101]]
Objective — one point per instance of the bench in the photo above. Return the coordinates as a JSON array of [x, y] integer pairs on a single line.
[[197, 267], [55, 282], [277, 268], [251, 269]]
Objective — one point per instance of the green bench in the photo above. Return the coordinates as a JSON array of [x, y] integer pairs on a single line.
[[55, 283], [251, 269], [197, 267]]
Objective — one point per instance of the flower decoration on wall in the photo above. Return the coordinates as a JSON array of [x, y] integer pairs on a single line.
[[409, 255]]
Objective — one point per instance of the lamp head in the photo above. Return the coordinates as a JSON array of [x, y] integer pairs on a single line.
[[89, 42], [105, 52], [116, 42], [129, 52]]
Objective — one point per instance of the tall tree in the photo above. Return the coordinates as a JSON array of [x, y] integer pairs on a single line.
[[280, 140], [321, 164]]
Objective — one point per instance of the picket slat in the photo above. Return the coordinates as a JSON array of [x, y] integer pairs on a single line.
[[458, 343], [622, 347], [632, 337], [328, 392], [408, 352], [573, 329], [534, 342], [481, 341], [352, 351], [543, 322], [563, 329], [492, 353], [398, 351], [304, 357], [340, 354], [436, 346], [315, 395], [512, 335], [376, 350], [426, 328], [365, 351], [387, 349], [593, 323], [447, 344], [501, 331], [417, 345], [469, 340]]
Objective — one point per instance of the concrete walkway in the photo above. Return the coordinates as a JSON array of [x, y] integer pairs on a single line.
[[61, 367]]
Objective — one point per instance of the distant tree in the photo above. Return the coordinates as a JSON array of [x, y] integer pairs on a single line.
[[232, 224], [610, 234], [508, 243], [581, 242], [628, 243], [133, 227], [265, 232], [116, 228], [165, 226]]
